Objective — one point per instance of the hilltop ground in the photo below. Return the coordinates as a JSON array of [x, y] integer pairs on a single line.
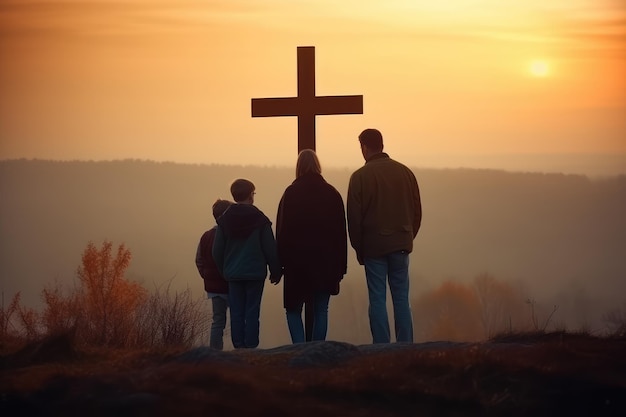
[[522, 375]]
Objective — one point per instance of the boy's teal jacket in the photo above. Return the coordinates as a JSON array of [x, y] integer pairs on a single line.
[[244, 244]]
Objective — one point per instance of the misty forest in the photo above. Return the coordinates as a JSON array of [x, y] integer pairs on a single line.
[[497, 252]]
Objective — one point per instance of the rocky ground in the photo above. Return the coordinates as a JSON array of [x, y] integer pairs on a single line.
[[554, 374]]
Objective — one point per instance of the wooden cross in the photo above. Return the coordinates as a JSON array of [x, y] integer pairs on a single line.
[[306, 105]]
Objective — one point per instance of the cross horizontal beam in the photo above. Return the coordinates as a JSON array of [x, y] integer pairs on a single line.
[[295, 106]]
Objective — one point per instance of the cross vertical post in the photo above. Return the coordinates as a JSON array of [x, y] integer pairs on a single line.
[[306, 93]]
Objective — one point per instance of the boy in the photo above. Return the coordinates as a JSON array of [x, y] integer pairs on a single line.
[[244, 247], [214, 284]]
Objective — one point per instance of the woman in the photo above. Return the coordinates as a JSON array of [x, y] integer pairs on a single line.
[[312, 246]]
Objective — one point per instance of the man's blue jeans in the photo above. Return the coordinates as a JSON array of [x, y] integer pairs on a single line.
[[392, 268], [244, 298], [320, 319], [220, 306]]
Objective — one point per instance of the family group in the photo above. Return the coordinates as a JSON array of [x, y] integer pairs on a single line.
[[381, 218]]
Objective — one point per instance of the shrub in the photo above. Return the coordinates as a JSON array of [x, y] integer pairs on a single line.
[[616, 321], [167, 319]]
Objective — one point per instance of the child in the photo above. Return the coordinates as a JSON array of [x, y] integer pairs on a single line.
[[244, 247], [214, 284]]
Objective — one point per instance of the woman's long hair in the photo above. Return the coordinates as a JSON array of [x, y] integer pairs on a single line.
[[307, 163]]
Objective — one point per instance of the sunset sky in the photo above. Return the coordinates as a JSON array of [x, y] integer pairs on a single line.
[[461, 82]]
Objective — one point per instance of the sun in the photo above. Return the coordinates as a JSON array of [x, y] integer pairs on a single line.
[[539, 68]]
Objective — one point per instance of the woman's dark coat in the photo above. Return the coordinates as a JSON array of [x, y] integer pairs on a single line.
[[311, 239]]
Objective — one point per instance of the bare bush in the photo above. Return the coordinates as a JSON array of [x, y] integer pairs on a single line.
[[171, 319], [615, 321], [9, 331], [534, 317], [29, 322], [61, 311], [500, 304]]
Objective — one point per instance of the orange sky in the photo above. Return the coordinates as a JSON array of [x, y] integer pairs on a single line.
[[447, 84]]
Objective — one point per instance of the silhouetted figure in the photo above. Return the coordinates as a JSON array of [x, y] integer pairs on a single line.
[[384, 216], [215, 285], [243, 249], [312, 246]]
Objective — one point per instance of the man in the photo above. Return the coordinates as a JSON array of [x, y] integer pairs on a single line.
[[243, 249], [384, 215]]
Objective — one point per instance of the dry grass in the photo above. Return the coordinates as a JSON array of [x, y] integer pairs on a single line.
[[554, 374]]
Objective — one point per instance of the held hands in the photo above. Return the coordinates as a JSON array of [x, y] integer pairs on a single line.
[[275, 279]]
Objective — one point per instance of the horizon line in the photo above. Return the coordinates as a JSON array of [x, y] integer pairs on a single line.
[[596, 172]]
